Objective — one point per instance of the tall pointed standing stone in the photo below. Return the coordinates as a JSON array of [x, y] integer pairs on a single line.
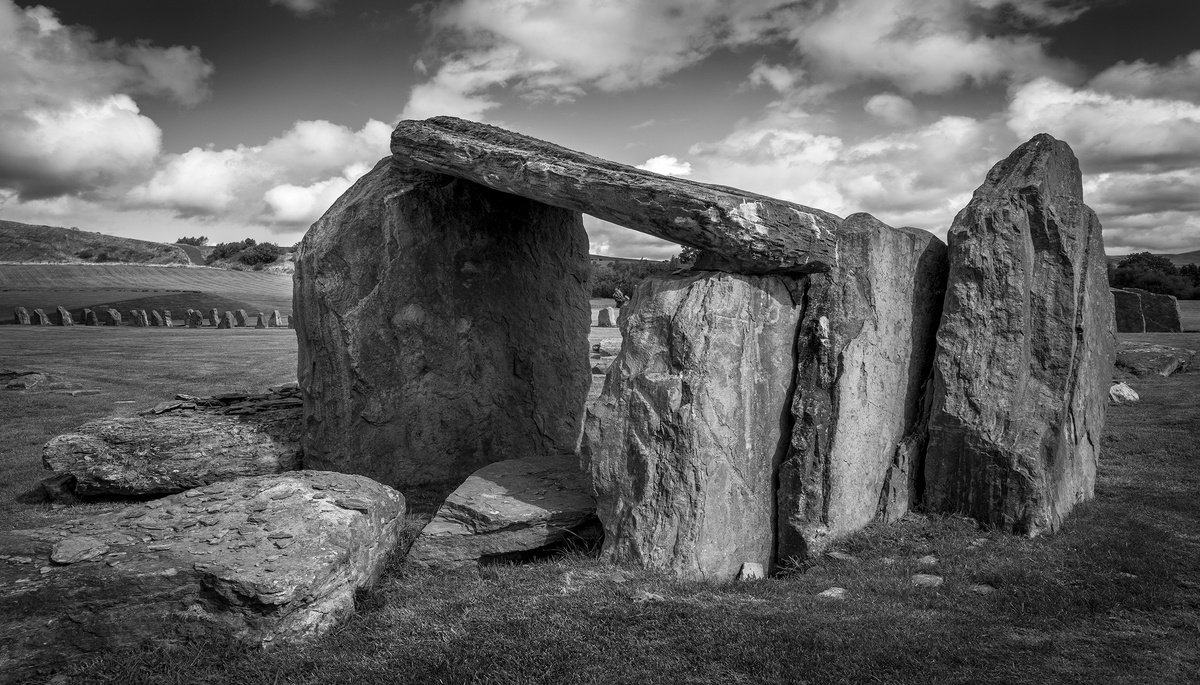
[[1025, 348], [276, 320], [90, 318], [214, 318], [166, 318]]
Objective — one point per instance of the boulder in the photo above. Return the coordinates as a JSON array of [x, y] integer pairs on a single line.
[[214, 318], [1127, 311], [1144, 359], [21, 316], [1160, 312], [139, 456], [22, 380], [1025, 348], [606, 317], [442, 326], [607, 348], [63, 317], [261, 322], [156, 319], [749, 233], [276, 320], [167, 321], [227, 321], [1120, 393], [39, 318], [506, 510], [684, 442], [90, 318], [239, 318], [600, 366], [864, 353], [266, 560], [112, 317]]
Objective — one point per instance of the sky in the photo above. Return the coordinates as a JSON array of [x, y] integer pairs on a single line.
[[230, 119]]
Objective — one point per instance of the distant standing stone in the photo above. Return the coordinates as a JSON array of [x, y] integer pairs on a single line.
[[606, 318], [214, 318], [276, 320], [292, 320], [262, 321], [138, 318], [112, 317], [1127, 307], [1161, 312], [21, 316], [90, 318], [40, 318], [167, 322], [64, 317], [156, 318], [227, 321], [194, 318], [239, 318]]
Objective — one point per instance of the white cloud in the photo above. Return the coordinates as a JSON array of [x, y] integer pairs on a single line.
[[304, 7], [196, 183], [780, 78], [302, 205], [1178, 80], [667, 166], [892, 108]]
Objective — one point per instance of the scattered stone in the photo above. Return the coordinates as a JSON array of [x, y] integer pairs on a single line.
[[982, 589], [600, 366], [643, 596], [39, 318], [833, 593], [1015, 423], [63, 317], [1160, 312], [421, 366], [156, 319], [926, 580], [751, 571], [90, 318], [504, 510], [928, 560], [606, 317], [227, 321], [117, 591], [21, 316], [23, 380], [239, 318], [608, 348], [156, 455], [1120, 393], [1144, 359]]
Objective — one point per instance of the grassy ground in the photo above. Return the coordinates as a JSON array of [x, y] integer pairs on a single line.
[[1113, 598]]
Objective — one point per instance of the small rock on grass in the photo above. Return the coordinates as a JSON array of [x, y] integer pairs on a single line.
[[927, 560], [926, 580], [833, 593], [982, 589]]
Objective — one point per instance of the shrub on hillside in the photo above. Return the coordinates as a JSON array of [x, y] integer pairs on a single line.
[[1155, 274], [262, 253], [197, 241], [228, 250]]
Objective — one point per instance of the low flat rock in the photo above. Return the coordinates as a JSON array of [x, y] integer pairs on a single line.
[[158, 455], [1145, 359], [267, 559], [505, 509], [750, 233]]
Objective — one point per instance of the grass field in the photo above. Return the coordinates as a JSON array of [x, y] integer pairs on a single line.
[[82, 285], [1189, 315], [1113, 598]]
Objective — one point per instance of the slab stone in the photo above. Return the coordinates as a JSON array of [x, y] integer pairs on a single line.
[[507, 509], [1127, 309], [112, 317], [684, 442], [239, 318], [39, 318], [265, 560], [1161, 312], [606, 317], [442, 326], [1145, 359], [750, 233], [63, 317], [227, 321], [21, 316], [90, 318], [156, 319], [1025, 348], [157, 455], [276, 320]]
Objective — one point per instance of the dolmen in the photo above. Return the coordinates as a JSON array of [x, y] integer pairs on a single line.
[[1141, 311], [810, 375]]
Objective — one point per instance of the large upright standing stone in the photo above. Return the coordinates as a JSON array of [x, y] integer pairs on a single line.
[[63, 317], [1025, 348], [195, 319], [166, 319], [90, 318], [227, 321], [21, 316], [261, 322], [1161, 312], [156, 319], [112, 317], [40, 318], [276, 320], [214, 318], [1128, 311], [442, 326], [239, 318], [684, 442]]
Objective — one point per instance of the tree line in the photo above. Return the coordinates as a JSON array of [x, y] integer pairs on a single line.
[[1156, 274]]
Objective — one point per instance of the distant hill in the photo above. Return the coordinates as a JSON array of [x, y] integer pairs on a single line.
[[27, 243], [1178, 259]]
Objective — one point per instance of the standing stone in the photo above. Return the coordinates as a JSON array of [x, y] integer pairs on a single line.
[[606, 318], [684, 442], [1127, 306], [227, 321], [276, 320], [239, 318], [63, 317], [166, 318], [21, 316], [138, 318], [194, 318], [864, 353], [1161, 312], [1025, 348], [156, 318], [262, 321], [90, 318], [39, 318], [214, 318], [442, 326], [112, 317]]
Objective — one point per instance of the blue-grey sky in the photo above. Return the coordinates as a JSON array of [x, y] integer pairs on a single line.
[[236, 118]]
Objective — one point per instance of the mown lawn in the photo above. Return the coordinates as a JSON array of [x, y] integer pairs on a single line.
[[1113, 598]]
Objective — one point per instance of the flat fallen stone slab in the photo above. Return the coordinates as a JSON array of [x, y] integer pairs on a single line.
[[267, 559], [752, 233], [506, 508], [1144, 359]]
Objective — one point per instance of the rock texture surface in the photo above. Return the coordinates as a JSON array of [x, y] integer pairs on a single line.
[[1121, 393], [442, 326], [112, 317], [271, 559], [176, 450], [751, 233], [1127, 310], [1025, 348], [506, 509], [39, 318], [863, 355], [21, 316], [684, 442], [1144, 359], [1160, 312], [195, 319], [63, 317]]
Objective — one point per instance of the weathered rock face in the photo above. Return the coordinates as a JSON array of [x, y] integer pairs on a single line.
[[606, 318], [751, 233], [63, 317], [864, 352], [39, 318], [112, 317], [214, 318], [271, 559], [227, 321], [685, 440], [1144, 359], [90, 318], [1127, 310], [1121, 393], [1160, 312], [156, 319], [195, 319], [506, 509], [442, 326], [239, 318], [21, 316], [157, 455], [276, 320], [1025, 348]]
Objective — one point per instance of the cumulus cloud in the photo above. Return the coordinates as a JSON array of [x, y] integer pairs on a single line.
[[667, 166], [304, 7], [892, 108], [780, 78], [300, 206], [1178, 80], [68, 120]]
